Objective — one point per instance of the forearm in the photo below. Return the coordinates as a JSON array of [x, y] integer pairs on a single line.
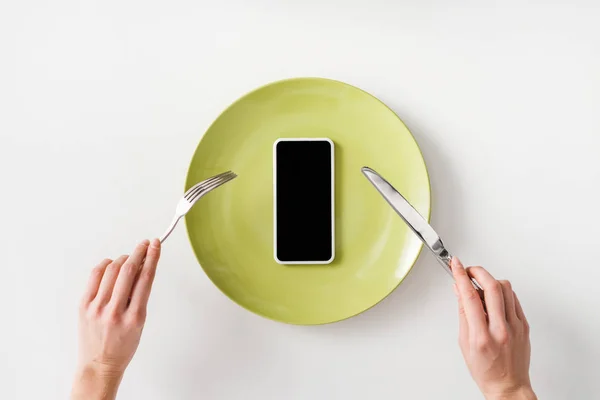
[[91, 383]]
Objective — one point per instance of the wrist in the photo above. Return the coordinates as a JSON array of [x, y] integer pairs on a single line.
[[521, 393], [96, 381]]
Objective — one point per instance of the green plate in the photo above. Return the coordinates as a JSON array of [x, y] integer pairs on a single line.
[[231, 229]]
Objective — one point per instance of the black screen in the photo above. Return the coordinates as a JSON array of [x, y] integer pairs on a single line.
[[304, 201]]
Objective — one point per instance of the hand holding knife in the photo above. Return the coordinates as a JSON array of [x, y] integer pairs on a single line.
[[415, 221]]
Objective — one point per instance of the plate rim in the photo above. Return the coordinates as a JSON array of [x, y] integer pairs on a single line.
[[427, 217]]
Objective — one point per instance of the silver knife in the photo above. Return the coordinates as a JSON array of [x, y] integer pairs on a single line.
[[415, 221]]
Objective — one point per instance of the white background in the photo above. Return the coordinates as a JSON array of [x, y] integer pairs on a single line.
[[102, 104]]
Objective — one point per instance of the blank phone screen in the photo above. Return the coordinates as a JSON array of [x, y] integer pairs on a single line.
[[303, 216]]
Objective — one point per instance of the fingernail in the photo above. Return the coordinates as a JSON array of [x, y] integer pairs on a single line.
[[456, 263], [145, 242], [155, 243]]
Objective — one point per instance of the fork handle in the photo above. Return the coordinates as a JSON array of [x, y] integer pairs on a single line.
[[170, 228]]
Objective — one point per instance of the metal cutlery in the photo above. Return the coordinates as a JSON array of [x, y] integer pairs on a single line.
[[194, 194], [415, 222]]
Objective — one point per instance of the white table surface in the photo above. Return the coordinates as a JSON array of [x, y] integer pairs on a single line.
[[103, 103]]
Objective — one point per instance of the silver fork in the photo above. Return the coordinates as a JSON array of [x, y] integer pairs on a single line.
[[193, 195]]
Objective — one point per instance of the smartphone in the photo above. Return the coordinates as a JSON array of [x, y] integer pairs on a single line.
[[303, 181]]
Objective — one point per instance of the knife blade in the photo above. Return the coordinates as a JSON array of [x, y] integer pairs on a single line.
[[415, 222]]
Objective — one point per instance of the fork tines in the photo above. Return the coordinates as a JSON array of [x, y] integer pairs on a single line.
[[208, 185]]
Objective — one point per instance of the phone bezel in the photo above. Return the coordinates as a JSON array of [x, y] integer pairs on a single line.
[[332, 146]]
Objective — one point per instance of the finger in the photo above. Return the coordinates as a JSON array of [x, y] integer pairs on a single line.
[[127, 275], [94, 281], [519, 309], [108, 281], [509, 301], [463, 326], [143, 286], [494, 298], [474, 313], [521, 314]]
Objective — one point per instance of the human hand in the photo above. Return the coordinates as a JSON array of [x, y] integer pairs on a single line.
[[111, 317], [495, 346]]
